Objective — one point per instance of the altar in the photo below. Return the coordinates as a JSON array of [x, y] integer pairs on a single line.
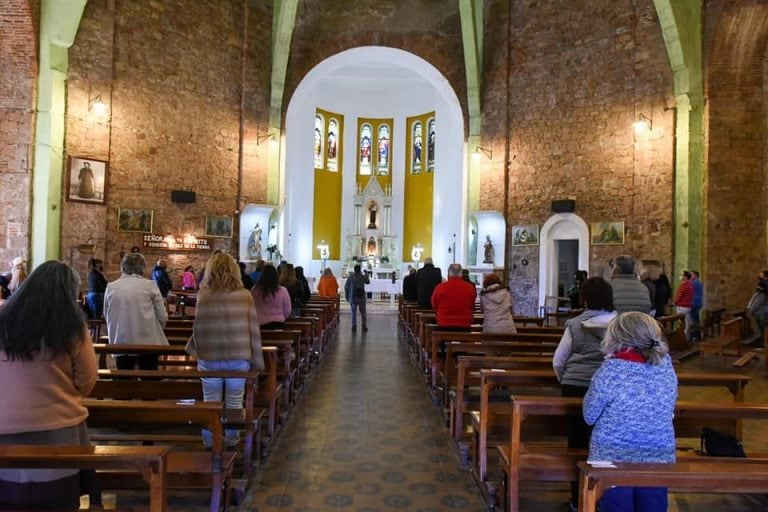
[[380, 289]]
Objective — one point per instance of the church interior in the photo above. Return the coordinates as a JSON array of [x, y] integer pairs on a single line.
[[527, 138]]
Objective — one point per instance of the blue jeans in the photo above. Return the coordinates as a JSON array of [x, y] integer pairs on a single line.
[[361, 306], [229, 391], [634, 499]]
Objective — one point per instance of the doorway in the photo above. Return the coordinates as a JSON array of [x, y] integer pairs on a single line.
[[567, 257]]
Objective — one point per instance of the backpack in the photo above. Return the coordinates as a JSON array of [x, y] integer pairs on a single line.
[[719, 444]]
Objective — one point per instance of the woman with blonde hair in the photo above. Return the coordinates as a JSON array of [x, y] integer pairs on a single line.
[[328, 286], [631, 403], [225, 335]]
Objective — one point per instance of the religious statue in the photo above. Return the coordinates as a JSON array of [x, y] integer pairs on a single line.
[[488, 255], [372, 210], [371, 247], [254, 242]]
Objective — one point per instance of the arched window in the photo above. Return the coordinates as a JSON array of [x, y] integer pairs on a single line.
[[318, 141], [382, 162], [365, 155]]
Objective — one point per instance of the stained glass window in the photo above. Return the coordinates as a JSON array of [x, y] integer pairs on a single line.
[[333, 134], [431, 145], [366, 141], [318, 136], [416, 148], [382, 163]]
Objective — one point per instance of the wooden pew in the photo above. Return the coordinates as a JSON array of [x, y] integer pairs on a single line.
[[528, 343], [148, 461], [187, 469], [466, 395], [490, 427], [185, 383], [712, 476], [526, 459]]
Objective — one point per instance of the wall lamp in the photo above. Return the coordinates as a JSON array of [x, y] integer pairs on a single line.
[[97, 105], [643, 124], [270, 136], [481, 151]]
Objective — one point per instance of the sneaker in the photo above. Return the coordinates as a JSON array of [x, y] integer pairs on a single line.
[[354, 328], [365, 329]]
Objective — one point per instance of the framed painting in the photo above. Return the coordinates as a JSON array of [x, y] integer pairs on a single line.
[[218, 226], [607, 233], [138, 220], [86, 180], [525, 235]]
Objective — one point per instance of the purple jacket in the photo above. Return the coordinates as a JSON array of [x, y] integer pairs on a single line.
[[272, 308]]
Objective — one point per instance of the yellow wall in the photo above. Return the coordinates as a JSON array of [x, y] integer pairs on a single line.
[[417, 218], [327, 197]]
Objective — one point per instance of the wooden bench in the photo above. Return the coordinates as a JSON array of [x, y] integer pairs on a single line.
[[185, 385], [148, 461], [490, 426], [531, 344], [466, 396], [712, 476], [525, 458], [185, 469]]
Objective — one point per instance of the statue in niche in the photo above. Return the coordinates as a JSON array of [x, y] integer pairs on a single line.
[[371, 247], [372, 214], [254, 242], [488, 252]]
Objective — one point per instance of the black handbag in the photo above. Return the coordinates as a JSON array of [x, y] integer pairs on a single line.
[[718, 444]]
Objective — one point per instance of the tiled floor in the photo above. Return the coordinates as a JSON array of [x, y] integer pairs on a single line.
[[364, 436]]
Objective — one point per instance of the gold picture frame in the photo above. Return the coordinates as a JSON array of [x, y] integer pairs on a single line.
[[135, 220], [218, 226], [607, 233]]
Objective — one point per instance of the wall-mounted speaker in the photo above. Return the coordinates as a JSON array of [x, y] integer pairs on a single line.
[[182, 196], [564, 206]]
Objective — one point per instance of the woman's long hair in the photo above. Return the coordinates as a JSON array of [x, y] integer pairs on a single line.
[[288, 275], [42, 314], [222, 273], [268, 282]]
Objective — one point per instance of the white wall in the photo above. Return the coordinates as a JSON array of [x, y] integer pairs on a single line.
[[373, 82]]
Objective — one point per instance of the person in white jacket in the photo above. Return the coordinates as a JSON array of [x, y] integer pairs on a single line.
[[496, 303]]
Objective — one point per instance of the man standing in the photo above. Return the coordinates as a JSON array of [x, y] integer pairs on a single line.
[[629, 294], [135, 313], [427, 278], [684, 300], [354, 292], [410, 288], [454, 301], [160, 276]]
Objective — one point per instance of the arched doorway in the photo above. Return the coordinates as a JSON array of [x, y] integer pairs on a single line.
[[564, 243], [364, 82]]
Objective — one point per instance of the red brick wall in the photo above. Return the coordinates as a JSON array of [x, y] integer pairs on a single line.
[[578, 73], [736, 186], [18, 62], [172, 73]]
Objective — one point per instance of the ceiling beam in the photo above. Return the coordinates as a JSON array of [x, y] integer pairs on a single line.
[[471, 12]]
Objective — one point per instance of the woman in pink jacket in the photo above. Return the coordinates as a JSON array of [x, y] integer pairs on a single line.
[[273, 302]]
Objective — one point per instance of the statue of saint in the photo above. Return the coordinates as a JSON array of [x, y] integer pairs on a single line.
[[488, 254], [372, 210], [371, 247], [254, 242]]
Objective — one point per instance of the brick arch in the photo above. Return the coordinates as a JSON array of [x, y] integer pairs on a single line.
[[738, 167], [18, 60]]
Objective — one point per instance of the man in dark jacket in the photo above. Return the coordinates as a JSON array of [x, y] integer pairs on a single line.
[[161, 277], [410, 288], [427, 278], [354, 292]]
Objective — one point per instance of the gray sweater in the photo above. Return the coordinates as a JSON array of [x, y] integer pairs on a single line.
[[578, 355]]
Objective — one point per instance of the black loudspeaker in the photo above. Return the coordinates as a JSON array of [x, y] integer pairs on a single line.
[[182, 196], [564, 206]]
